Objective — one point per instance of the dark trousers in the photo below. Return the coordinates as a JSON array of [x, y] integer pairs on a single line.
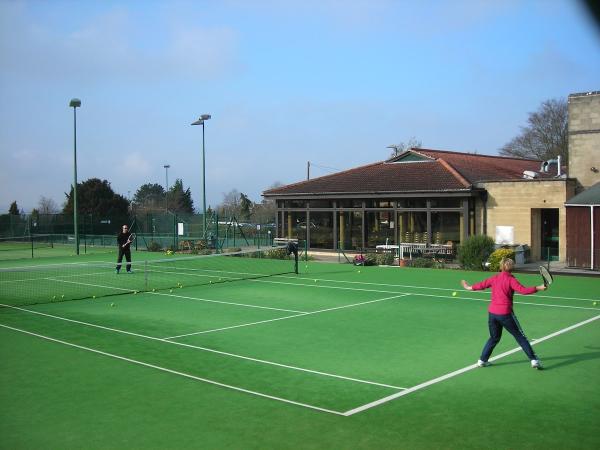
[[498, 321], [127, 253]]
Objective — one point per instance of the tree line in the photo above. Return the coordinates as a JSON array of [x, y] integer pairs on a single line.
[[96, 196]]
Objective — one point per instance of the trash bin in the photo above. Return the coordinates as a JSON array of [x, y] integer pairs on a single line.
[[520, 254]]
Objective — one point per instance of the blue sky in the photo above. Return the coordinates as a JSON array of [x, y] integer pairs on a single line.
[[333, 82]]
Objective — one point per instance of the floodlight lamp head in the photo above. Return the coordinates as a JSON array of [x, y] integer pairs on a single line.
[[75, 103], [201, 120]]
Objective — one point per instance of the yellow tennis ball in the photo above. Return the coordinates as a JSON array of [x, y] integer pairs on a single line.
[[93, 296], [454, 294], [180, 286], [359, 271], [315, 281], [62, 296], [112, 304], [171, 291], [54, 297], [595, 303]]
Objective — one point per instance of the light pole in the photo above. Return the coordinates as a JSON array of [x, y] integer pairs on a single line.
[[203, 118], [166, 166], [75, 103]]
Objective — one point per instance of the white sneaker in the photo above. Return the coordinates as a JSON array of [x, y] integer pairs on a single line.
[[536, 364], [481, 363]]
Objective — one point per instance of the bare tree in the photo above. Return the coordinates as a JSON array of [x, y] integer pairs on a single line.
[[47, 206], [545, 136], [231, 204], [266, 210], [403, 146]]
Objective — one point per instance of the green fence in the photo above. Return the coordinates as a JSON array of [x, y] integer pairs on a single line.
[[156, 231]]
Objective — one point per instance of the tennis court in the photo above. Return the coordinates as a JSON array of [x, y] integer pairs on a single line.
[[257, 356]]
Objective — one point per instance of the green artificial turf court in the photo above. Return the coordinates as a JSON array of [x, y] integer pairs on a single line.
[[336, 356]]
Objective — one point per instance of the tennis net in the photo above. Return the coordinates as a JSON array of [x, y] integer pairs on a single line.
[[30, 285]]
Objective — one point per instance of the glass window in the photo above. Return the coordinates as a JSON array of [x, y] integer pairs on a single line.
[[380, 228], [350, 203], [295, 204], [349, 230], [445, 227], [320, 203], [446, 202], [412, 203], [412, 227], [321, 229], [294, 225], [379, 204]]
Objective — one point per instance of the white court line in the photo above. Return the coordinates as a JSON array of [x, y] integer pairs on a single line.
[[174, 372], [287, 317], [200, 299], [460, 371], [426, 295], [196, 347], [181, 296], [307, 278]]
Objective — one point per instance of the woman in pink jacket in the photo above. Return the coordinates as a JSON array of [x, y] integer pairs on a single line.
[[501, 314]]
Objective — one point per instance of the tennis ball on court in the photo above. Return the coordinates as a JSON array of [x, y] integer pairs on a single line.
[[595, 303], [54, 297], [93, 296], [180, 286], [209, 281], [112, 304], [62, 296], [315, 281], [359, 271], [171, 291], [454, 294], [135, 292]]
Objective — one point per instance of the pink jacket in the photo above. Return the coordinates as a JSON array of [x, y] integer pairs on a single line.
[[503, 285]]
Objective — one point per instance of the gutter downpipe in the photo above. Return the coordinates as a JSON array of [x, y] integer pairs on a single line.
[[592, 237]]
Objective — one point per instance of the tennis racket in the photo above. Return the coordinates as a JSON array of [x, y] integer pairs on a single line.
[[130, 239], [546, 275]]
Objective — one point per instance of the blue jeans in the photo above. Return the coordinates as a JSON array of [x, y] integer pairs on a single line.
[[498, 321]]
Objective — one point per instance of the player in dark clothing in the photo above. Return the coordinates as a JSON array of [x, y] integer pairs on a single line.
[[124, 242]]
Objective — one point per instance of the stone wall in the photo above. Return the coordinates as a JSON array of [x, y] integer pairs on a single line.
[[584, 139], [519, 204]]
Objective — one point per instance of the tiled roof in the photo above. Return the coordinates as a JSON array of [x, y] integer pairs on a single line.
[[438, 171]]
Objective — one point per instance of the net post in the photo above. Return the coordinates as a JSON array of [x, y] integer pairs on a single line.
[[296, 263]]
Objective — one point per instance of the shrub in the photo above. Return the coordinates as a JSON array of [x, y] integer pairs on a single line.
[[422, 262], [497, 256], [474, 251], [276, 253], [154, 246], [384, 259], [370, 259]]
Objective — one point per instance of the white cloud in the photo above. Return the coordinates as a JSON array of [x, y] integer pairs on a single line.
[[106, 48]]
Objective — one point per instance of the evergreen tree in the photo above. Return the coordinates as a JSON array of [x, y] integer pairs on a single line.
[[180, 200], [14, 209], [150, 196], [95, 196]]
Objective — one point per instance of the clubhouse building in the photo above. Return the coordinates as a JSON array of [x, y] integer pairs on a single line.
[[425, 198]]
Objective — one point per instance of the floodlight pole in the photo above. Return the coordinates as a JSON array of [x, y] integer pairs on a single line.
[[75, 103], [166, 166], [203, 118]]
